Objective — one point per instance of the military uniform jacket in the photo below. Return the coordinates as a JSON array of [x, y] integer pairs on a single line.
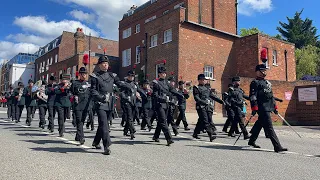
[[62, 97], [22, 99], [162, 91], [204, 97], [81, 91], [130, 93], [102, 88], [9, 97], [225, 98], [182, 101], [236, 97], [261, 96], [30, 99], [146, 96], [51, 94]]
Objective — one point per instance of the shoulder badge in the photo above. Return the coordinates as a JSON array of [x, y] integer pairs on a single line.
[[155, 81]]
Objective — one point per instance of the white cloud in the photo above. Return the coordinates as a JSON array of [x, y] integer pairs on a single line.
[[248, 7], [40, 25], [82, 16], [108, 13], [24, 38], [8, 49]]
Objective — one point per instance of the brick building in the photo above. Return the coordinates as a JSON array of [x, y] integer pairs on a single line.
[[195, 36], [65, 54]]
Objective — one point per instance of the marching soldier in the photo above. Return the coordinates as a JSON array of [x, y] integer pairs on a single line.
[[42, 104], [102, 91], [147, 110], [172, 107], [236, 99], [50, 102], [62, 101], [19, 95], [204, 105], [263, 103], [30, 101], [182, 105], [129, 102], [161, 93], [10, 103], [80, 90], [225, 98]]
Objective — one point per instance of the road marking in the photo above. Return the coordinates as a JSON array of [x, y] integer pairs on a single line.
[[248, 147], [213, 143]]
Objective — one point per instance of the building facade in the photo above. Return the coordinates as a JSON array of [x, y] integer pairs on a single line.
[[65, 54], [20, 58], [193, 37]]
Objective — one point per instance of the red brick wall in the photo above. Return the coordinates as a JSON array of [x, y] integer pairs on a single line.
[[292, 110], [199, 47], [224, 14], [112, 47], [246, 56], [67, 46], [279, 72], [247, 52], [44, 58], [168, 51], [136, 38]]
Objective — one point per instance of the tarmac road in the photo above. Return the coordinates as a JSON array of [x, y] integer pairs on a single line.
[[31, 153]]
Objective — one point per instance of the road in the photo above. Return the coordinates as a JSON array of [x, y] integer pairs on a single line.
[[31, 153]]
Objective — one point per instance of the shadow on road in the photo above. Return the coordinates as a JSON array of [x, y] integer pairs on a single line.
[[62, 150], [232, 148], [46, 141], [31, 134]]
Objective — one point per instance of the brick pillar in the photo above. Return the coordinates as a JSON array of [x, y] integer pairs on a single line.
[[79, 38]]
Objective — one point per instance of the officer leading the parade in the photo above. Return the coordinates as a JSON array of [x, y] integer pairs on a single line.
[[263, 103]]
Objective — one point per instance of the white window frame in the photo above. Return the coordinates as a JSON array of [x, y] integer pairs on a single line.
[[275, 57], [138, 56], [267, 62], [126, 33], [51, 59], [154, 41], [167, 36], [209, 72], [178, 5], [157, 67], [150, 19], [126, 58], [56, 58], [130, 12], [99, 46], [137, 28], [166, 12]]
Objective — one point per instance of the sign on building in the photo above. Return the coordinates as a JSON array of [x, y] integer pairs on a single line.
[[288, 95], [307, 94]]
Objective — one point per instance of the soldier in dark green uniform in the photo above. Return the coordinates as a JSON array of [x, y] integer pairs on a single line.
[[30, 101], [18, 94], [182, 105], [81, 91], [62, 101], [50, 102], [42, 104], [10, 103]]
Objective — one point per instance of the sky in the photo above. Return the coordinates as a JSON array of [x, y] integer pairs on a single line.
[[27, 25]]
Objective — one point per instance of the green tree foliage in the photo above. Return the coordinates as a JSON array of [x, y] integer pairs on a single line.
[[278, 36], [308, 59], [298, 31], [250, 31]]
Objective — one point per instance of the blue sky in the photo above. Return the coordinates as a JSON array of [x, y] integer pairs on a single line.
[[33, 23]]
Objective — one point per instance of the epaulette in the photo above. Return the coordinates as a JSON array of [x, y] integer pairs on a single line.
[[93, 75], [113, 74], [155, 81]]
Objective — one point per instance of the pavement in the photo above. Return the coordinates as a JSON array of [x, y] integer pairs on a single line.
[[31, 153]]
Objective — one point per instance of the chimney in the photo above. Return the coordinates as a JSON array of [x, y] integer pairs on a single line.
[[79, 38]]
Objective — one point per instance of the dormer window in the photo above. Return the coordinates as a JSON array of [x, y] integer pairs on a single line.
[[153, 1], [130, 12]]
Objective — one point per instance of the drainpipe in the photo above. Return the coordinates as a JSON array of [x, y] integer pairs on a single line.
[[200, 11]]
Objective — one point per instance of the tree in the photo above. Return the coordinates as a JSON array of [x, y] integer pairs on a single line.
[[298, 31], [308, 59], [250, 31], [278, 36]]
